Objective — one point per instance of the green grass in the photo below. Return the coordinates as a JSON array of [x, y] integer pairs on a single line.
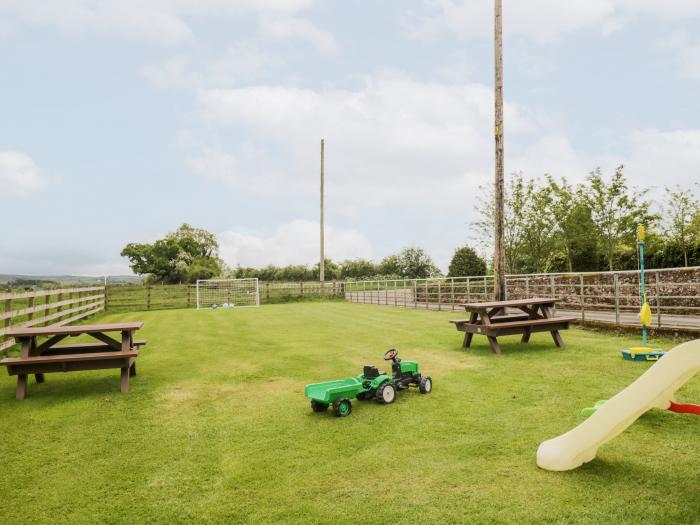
[[216, 429]]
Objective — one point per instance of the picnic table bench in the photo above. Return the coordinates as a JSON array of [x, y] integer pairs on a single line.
[[39, 358], [493, 320]]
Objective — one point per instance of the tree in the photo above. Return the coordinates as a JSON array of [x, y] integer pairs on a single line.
[[515, 202], [184, 256], [616, 211], [466, 262], [331, 270], [680, 219], [415, 263], [575, 232], [390, 265], [357, 269], [538, 230]]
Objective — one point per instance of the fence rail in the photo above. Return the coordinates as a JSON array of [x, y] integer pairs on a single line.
[[55, 307], [159, 297], [605, 297]]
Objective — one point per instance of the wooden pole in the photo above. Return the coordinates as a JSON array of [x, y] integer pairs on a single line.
[[499, 291], [323, 257]]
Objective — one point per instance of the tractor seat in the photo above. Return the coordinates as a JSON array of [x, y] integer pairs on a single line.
[[371, 371]]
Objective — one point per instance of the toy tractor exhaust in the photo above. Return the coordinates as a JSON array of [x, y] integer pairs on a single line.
[[371, 384]]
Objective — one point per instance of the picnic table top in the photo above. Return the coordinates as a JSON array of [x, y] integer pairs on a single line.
[[514, 303], [72, 330]]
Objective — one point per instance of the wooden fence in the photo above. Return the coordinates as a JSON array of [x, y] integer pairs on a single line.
[[160, 297], [601, 297], [48, 307]]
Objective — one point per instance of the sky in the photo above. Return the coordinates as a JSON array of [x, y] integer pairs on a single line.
[[122, 119]]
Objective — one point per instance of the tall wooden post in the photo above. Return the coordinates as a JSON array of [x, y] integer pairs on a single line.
[[499, 289], [323, 256]]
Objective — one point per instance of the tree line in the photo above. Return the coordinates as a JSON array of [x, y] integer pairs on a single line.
[[551, 225], [192, 253]]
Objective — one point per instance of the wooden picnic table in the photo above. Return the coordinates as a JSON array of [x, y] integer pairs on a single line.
[[47, 356], [493, 320]]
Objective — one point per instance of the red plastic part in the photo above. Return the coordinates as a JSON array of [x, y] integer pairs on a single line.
[[681, 408]]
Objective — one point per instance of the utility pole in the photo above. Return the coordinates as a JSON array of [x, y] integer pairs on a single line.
[[323, 257], [499, 288]]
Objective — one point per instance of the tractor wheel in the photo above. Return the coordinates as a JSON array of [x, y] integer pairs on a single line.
[[426, 385], [386, 394], [317, 406], [342, 407]]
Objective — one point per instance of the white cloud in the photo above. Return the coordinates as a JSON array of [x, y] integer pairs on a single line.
[[540, 20], [664, 158], [396, 142], [241, 63], [160, 21], [19, 174], [291, 27], [295, 242]]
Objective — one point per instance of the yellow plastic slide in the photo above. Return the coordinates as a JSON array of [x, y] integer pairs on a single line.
[[654, 389]]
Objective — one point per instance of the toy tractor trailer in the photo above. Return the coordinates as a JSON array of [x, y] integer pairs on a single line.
[[370, 384]]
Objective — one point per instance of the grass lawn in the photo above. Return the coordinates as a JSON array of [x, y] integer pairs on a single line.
[[216, 429]]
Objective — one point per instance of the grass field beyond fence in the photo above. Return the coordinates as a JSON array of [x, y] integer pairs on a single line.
[[216, 429]]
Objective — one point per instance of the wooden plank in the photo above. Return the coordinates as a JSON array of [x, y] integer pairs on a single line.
[[42, 293], [514, 303], [42, 307], [55, 315], [68, 357]]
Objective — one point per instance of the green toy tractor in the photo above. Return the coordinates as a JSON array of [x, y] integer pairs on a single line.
[[371, 384]]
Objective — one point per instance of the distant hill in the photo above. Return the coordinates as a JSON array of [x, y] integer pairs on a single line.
[[68, 279]]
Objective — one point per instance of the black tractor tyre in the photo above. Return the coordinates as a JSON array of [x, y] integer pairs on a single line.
[[426, 385], [342, 407], [317, 406], [362, 396], [386, 393]]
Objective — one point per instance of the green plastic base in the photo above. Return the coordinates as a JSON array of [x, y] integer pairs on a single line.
[[642, 354]]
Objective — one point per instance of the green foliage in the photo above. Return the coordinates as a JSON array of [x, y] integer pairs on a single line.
[[551, 225], [410, 263], [357, 269], [331, 271], [466, 261], [681, 220], [616, 211], [184, 256]]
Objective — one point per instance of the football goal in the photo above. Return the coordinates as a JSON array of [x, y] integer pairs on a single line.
[[227, 292]]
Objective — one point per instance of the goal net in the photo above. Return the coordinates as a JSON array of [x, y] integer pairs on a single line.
[[227, 293]]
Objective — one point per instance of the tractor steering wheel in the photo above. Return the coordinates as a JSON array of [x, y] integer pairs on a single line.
[[391, 354]]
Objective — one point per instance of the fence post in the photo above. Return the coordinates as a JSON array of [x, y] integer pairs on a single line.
[[583, 303], [553, 291], [404, 293], [658, 300], [30, 304], [415, 293], [527, 287], [452, 293], [469, 295], [396, 285], [148, 297], [616, 293], [439, 297], [427, 295], [8, 320], [301, 289], [485, 288], [59, 298], [47, 309], [505, 287], [104, 297], [189, 295]]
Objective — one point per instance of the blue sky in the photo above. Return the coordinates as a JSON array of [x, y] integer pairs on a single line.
[[119, 120]]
